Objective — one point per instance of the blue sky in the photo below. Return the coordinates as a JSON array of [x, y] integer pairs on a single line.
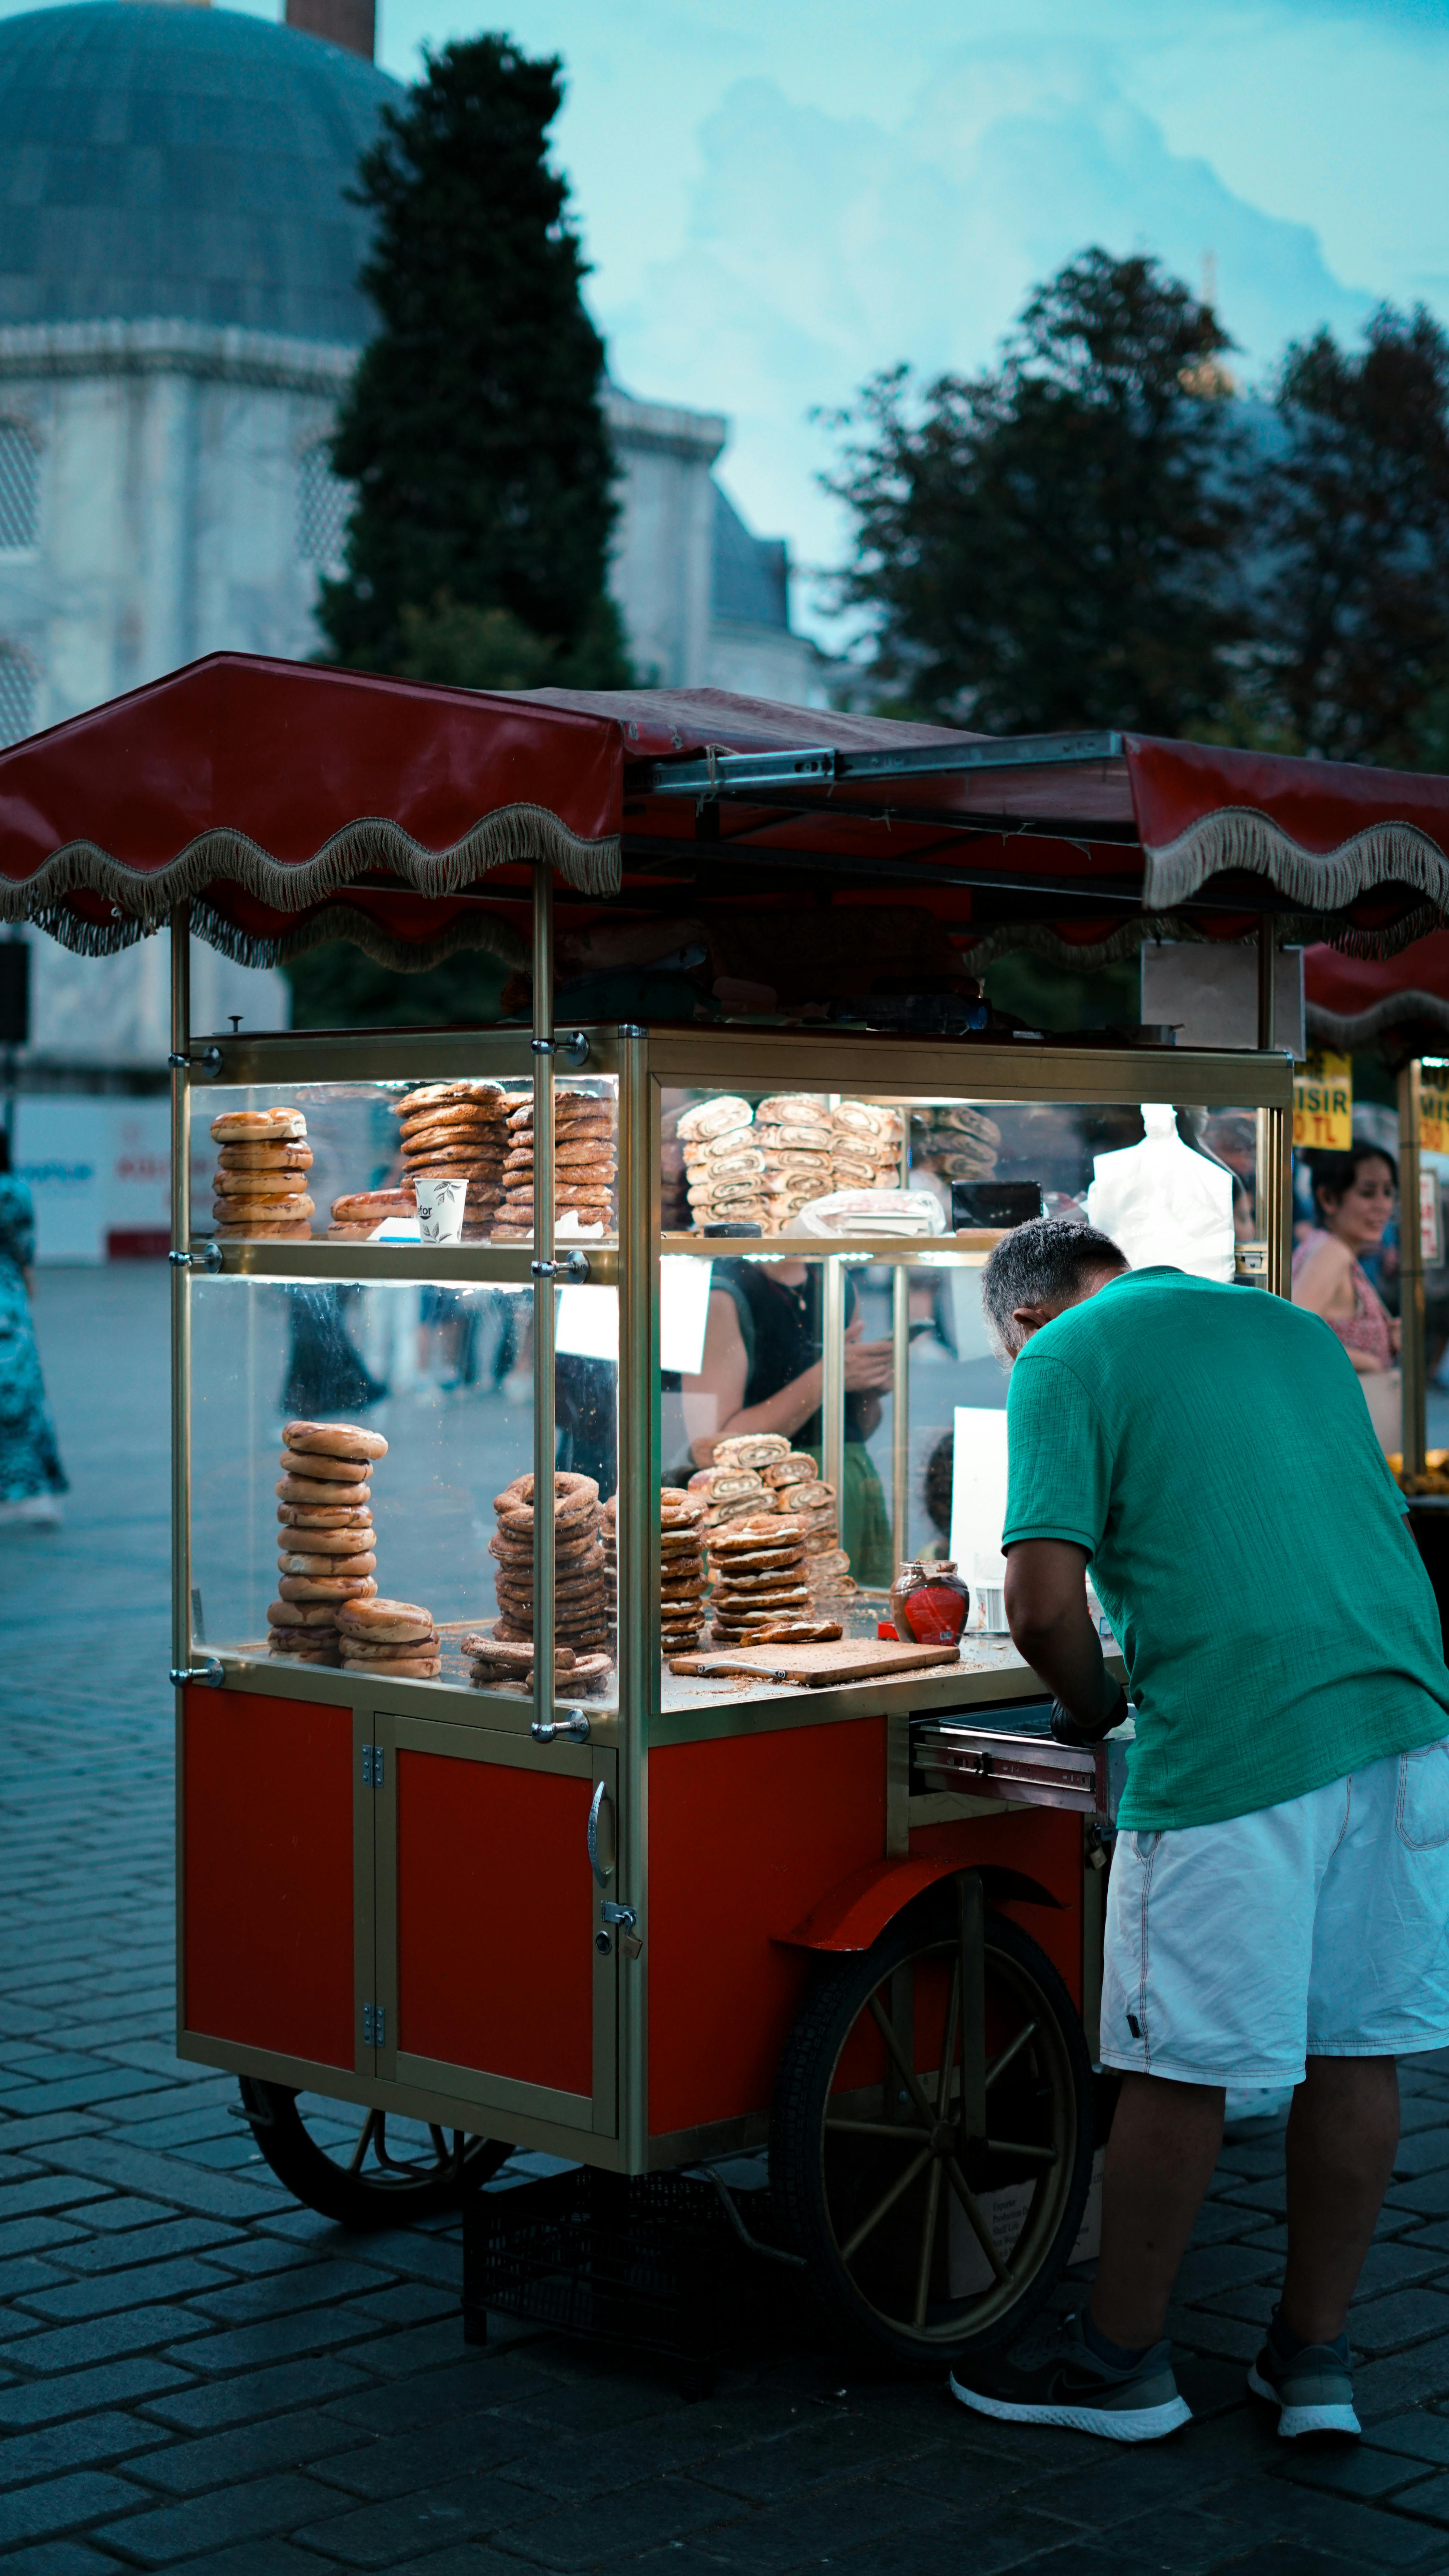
[[780, 196]]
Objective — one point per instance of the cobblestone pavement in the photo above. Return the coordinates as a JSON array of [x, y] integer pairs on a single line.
[[194, 2373]]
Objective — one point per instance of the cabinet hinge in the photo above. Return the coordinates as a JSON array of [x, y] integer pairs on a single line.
[[374, 2025], [372, 1766]]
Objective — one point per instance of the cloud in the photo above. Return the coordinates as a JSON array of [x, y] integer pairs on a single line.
[[823, 247]]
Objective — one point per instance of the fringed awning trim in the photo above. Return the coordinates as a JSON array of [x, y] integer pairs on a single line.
[[1347, 1031], [481, 931], [1239, 837], [517, 835], [1132, 935]]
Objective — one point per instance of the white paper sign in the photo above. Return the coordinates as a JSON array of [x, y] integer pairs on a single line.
[[588, 1318], [978, 1494]]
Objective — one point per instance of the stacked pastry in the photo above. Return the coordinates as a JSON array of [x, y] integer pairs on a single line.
[[583, 1165], [457, 1131], [681, 1570], [724, 1167], [866, 1153], [357, 1216], [960, 1143], [261, 1175], [796, 1487], [494, 1666], [325, 1534], [760, 1593], [733, 1487], [580, 1613], [389, 1640], [796, 1134]]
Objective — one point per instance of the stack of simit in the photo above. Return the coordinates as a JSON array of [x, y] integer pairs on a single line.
[[796, 1486], [682, 1580], [760, 1594], [261, 1175], [457, 1131], [962, 1144], [581, 1618], [325, 1534], [583, 1164], [724, 1168], [389, 1640]]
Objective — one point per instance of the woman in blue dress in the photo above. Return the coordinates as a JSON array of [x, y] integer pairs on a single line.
[[32, 1478]]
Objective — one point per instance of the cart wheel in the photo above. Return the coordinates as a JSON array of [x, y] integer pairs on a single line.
[[881, 2184], [337, 2159]]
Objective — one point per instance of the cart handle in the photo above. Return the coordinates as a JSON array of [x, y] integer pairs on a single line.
[[602, 1864]]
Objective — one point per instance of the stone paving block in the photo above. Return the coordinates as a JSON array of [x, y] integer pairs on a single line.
[[47, 2191], [251, 2255], [82, 2443], [228, 2153], [99, 2338], [1422, 2151], [36, 2137], [846, 2447], [185, 2129], [25, 2273], [1419, 2435], [432, 2455], [474, 2385], [166, 2178], [607, 2532], [43, 2401], [1201, 2331], [79, 2092], [1354, 2470], [137, 2286], [418, 2257], [1208, 2269], [137, 2247], [59, 2504], [1330, 2522], [409, 2303], [122, 2210], [1219, 2221], [291, 2441], [206, 2092], [1413, 2378], [59, 2558], [1403, 2318], [205, 2408], [210, 2523], [253, 2558], [1187, 2540], [271, 2339], [30, 2235], [284, 2292], [1427, 2499], [415, 2348], [1426, 2195]]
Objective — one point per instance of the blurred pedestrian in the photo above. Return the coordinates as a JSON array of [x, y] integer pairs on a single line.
[[1354, 1196], [32, 1478]]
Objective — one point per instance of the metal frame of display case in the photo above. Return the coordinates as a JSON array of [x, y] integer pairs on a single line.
[[610, 2127]]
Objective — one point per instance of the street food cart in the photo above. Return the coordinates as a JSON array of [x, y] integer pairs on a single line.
[[847, 1902]]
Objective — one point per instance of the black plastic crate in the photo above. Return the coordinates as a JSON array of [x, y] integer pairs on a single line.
[[646, 2260]]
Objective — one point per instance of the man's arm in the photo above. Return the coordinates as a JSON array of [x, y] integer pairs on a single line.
[[1046, 1611]]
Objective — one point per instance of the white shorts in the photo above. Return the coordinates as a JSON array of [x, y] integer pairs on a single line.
[[1316, 1929]]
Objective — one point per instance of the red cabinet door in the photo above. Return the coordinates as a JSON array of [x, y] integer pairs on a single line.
[[267, 1895], [500, 1991]]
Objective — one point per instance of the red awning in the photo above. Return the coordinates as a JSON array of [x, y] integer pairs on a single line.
[[292, 803], [1399, 1003]]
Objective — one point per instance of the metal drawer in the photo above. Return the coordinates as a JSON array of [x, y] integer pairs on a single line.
[[1022, 1768]]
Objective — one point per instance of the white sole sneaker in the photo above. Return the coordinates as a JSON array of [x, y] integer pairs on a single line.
[[1128, 2424], [1295, 2421]]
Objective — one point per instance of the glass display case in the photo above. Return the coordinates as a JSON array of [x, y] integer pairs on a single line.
[[467, 1871]]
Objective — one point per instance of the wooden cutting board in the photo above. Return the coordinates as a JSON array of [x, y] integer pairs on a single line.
[[867, 1659]]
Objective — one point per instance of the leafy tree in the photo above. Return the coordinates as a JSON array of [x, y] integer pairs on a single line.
[[478, 547], [1352, 658], [1052, 545]]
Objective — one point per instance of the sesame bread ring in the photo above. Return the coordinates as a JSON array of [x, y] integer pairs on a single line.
[[320, 1495], [773, 1529], [265, 1158], [480, 1641], [483, 1095], [261, 1229], [376, 1650], [327, 1587], [452, 1117], [316, 1561], [302, 1614], [286, 1211], [258, 1185], [257, 1126], [403, 1668], [347, 1541], [382, 1619], [314, 1467], [483, 1142], [798, 1632], [345, 1440], [572, 1497], [371, 1207]]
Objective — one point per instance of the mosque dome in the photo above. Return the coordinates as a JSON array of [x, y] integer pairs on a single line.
[[163, 162]]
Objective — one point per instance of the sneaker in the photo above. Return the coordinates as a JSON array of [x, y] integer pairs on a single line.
[[1070, 2387], [1313, 2392]]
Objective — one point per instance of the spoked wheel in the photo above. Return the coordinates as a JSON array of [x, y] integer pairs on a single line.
[[931, 2145], [346, 2164]]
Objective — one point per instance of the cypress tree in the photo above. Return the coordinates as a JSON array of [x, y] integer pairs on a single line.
[[478, 546]]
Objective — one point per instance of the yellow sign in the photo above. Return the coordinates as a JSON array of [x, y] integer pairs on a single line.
[[1434, 1109], [1323, 1103]]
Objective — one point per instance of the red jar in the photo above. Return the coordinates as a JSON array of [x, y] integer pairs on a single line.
[[929, 1605]]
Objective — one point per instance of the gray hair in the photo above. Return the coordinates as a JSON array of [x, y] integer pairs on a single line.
[[1044, 1263]]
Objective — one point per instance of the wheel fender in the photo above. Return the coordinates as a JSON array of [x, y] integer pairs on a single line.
[[857, 1911]]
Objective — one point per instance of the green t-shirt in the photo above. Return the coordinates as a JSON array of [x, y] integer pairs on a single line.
[[1211, 1450]]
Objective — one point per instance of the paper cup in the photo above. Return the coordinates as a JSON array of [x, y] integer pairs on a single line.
[[440, 1211]]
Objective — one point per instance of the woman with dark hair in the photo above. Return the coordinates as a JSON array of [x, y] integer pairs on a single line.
[[1354, 1196], [32, 1478]]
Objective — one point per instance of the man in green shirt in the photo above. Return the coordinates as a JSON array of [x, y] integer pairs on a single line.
[[1279, 1896]]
